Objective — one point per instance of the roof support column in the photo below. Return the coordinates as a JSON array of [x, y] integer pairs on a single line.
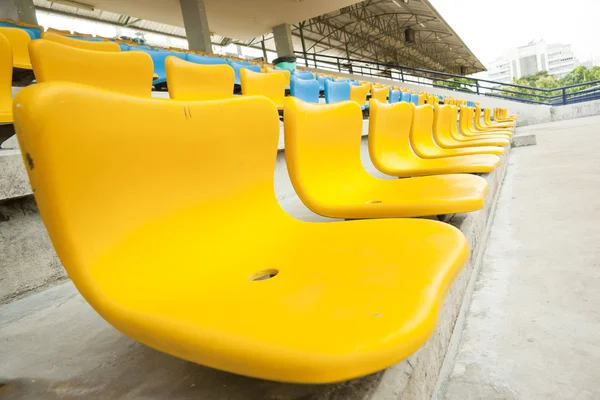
[[195, 23], [283, 40], [18, 10]]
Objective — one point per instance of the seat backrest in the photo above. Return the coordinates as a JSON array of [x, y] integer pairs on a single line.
[[81, 44], [380, 93], [322, 145], [406, 96], [454, 120], [193, 82], [414, 98], [421, 129], [389, 129], [237, 67], [206, 60], [421, 99], [271, 85], [99, 169], [394, 96], [285, 72], [336, 91], [305, 89], [441, 119], [19, 40], [321, 79], [158, 59], [303, 74], [358, 94], [59, 31], [123, 72], [6, 67]]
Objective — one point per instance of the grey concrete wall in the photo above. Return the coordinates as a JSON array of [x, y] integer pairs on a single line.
[[578, 110]]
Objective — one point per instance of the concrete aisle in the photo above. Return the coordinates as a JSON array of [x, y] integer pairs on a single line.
[[533, 328]]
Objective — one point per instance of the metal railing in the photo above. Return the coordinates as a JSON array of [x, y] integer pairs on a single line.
[[558, 96]]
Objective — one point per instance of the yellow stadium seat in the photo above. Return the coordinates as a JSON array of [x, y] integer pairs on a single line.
[[422, 142], [322, 150], [491, 124], [269, 84], [479, 125], [127, 72], [19, 40], [358, 94], [380, 93], [444, 117], [59, 31], [81, 44], [421, 99], [390, 151], [467, 126], [190, 81], [500, 116], [500, 140], [6, 66], [188, 251], [285, 72], [85, 35]]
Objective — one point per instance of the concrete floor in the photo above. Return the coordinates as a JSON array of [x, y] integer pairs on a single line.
[[533, 328]]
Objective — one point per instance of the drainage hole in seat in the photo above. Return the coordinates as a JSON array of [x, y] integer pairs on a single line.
[[264, 274]]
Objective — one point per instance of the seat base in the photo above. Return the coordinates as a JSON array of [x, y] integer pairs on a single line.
[[6, 132], [22, 77]]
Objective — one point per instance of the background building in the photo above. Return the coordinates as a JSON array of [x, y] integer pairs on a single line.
[[558, 59]]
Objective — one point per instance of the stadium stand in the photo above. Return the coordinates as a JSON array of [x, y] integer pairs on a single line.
[[93, 96]]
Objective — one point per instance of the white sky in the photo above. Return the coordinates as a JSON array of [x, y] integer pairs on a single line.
[[488, 27]]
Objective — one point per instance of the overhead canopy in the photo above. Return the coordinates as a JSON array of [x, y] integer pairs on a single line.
[[369, 30]]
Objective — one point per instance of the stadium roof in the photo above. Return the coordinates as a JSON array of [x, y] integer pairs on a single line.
[[369, 30]]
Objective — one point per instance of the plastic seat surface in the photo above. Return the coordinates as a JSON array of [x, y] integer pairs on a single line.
[[414, 98], [34, 33], [158, 60], [287, 75], [305, 89], [444, 117], [406, 96], [422, 142], [358, 94], [81, 44], [149, 243], [237, 67], [322, 145], [193, 82], [269, 84], [489, 123], [6, 69], [19, 40], [321, 80], [394, 96], [391, 153], [479, 125], [467, 126], [336, 91], [303, 74], [206, 60], [380, 94], [123, 72], [499, 140], [59, 31], [473, 130]]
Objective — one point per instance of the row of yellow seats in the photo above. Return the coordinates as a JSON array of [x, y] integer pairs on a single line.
[[183, 250]]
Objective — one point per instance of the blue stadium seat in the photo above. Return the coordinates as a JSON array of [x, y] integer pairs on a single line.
[[87, 39], [414, 98], [321, 80], [405, 97], [303, 74], [353, 82], [195, 58], [305, 89], [124, 47], [441, 98], [239, 65], [337, 91], [394, 96]]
